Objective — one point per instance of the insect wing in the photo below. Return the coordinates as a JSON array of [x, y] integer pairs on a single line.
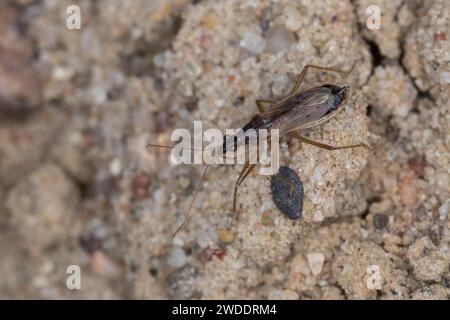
[[306, 113]]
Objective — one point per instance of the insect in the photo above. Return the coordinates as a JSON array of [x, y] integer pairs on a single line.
[[300, 109]]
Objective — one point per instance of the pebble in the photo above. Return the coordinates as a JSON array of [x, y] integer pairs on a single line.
[[408, 190], [267, 220], [226, 236], [216, 200], [177, 257], [253, 43], [293, 18], [115, 167], [103, 265], [280, 84], [141, 185], [443, 210], [279, 39], [287, 192], [315, 262], [380, 220]]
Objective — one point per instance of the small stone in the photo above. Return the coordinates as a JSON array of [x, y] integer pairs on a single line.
[[225, 235], [208, 253], [253, 43], [429, 262], [115, 166], [279, 39], [103, 265], [184, 182], [380, 220], [417, 164], [141, 185], [267, 220], [293, 18], [318, 216], [209, 22], [280, 84], [287, 192], [408, 190], [177, 257], [216, 200], [315, 262], [443, 210]]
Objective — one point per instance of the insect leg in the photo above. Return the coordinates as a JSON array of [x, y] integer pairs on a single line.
[[244, 173], [326, 146], [259, 104], [312, 66]]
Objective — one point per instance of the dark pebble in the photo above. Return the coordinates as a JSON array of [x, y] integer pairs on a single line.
[[380, 220], [445, 281], [287, 192]]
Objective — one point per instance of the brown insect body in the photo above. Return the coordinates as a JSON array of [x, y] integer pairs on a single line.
[[300, 110]]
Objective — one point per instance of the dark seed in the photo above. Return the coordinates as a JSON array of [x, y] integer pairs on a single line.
[[287, 192], [380, 220]]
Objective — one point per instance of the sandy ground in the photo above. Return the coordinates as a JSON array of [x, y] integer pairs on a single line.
[[79, 188]]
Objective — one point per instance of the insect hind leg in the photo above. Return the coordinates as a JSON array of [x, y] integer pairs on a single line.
[[324, 145], [305, 69]]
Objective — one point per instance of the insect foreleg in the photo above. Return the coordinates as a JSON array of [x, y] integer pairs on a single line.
[[323, 145], [305, 69], [244, 173]]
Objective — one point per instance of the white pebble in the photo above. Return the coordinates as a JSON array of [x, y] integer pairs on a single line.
[[177, 257], [315, 262], [219, 103], [293, 19], [253, 43], [115, 167], [318, 216], [62, 74]]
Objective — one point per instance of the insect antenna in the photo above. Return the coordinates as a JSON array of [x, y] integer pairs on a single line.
[[186, 217], [151, 145]]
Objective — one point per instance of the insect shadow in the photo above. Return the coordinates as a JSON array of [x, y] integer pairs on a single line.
[[301, 109]]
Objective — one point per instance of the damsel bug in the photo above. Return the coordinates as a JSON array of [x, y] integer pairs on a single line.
[[300, 109]]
